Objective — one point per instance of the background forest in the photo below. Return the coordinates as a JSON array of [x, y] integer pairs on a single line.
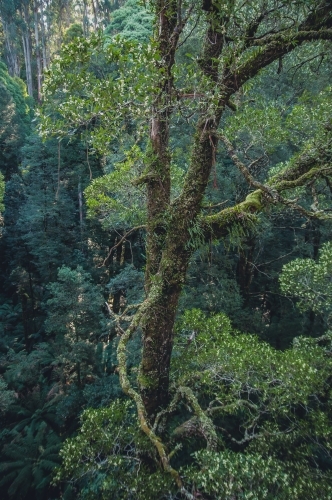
[[249, 412]]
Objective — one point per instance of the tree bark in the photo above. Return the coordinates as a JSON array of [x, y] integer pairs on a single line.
[[38, 51], [167, 252], [27, 50], [11, 50], [170, 226]]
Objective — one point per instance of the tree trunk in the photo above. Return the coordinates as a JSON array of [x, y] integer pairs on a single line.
[[169, 225], [245, 268], [167, 250], [27, 50], [85, 18], [43, 38], [38, 52], [11, 51], [95, 9]]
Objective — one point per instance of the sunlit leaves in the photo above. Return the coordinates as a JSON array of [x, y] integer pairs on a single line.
[[229, 475], [259, 124], [97, 85], [114, 198], [309, 116], [310, 281], [245, 373]]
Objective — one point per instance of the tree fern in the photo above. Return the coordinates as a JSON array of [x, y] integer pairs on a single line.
[[29, 461]]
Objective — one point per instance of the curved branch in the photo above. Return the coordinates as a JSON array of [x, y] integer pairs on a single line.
[[205, 426], [273, 48]]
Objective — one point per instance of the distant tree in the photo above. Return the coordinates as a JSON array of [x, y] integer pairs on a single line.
[[15, 121], [2, 194], [132, 20], [75, 320]]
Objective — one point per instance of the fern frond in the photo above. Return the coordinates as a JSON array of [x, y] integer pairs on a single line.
[[8, 478], [21, 483]]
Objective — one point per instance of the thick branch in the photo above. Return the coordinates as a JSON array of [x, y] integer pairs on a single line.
[[273, 47], [312, 174], [218, 225]]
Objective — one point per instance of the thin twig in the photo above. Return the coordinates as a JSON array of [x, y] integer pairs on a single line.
[[121, 241]]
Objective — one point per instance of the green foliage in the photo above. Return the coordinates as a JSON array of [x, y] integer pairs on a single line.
[[108, 454], [258, 123], [15, 120], [133, 21], [310, 281], [114, 198], [74, 31], [6, 396], [229, 475], [75, 303], [82, 96], [10, 324], [24, 369], [75, 316], [17, 90], [270, 409], [2, 192], [130, 282], [238, 366], [310, 115], [28, 461]]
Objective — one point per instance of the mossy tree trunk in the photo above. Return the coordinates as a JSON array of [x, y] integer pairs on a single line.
[[169, 224]]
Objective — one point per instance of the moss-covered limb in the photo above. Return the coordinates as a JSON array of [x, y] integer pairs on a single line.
[[200, 424], [214, 41], [144, 179], [189, 428], [206, 426], [218, 225], [277, 45], [141, 413], [205, 141], [123, 315], [317, 214], [166, 412], [298, 175], [317, 156], [157, 326], [302, 180]]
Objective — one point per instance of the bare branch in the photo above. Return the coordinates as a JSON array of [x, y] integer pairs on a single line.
[[136, 228]]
